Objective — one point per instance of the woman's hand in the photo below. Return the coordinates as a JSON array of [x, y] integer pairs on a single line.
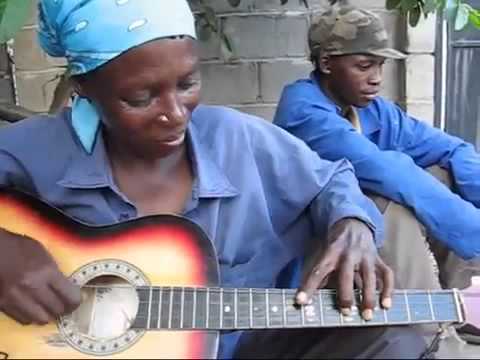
[[32, 288], [353, 258]]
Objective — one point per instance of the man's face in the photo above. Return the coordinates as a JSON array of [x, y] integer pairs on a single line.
[[354, 79]]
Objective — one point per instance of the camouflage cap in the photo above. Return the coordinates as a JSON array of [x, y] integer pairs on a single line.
[[346, 30]]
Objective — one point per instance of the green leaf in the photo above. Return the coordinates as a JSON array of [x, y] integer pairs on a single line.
[[408, 5], [474, 18], [430, 6], [210, 16], [3, 5], [226, 48], [304, 3], [393, 4], [463, 14], [204, 33], [234, 3], [414, 16], [451, 7], [14, 16]]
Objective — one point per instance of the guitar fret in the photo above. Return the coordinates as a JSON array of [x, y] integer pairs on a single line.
[[331, 314], [208, 309], [275, 309], [259, 311], [310, 312], [407, 305], [149, 311], [431, 304], [141, 320], [160, 308], [243, 309], [228, 309], [251, 307], [201, 308], [170, 309], [221, 308], [153, 318], [284, 308], [385, 316], [182, 305], [294, 314], [214, 307], [187, 305], [267, 309], [235, 306], [194, 310], [320, 305], [165, 304], [302, 314]]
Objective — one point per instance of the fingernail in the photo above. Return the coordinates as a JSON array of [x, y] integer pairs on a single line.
[[387, 303], [367, 314], [302, 297], [346, 311]]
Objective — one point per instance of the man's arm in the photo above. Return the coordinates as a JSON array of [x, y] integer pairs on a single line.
[[392, 174], [429, 146]]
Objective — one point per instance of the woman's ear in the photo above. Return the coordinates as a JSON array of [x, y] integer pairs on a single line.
[[77, 86], [81, 85]]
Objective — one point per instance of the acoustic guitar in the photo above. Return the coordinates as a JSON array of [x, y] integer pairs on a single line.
[[151, 290]]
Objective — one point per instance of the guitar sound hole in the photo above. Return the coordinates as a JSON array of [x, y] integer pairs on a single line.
[[109, 307]]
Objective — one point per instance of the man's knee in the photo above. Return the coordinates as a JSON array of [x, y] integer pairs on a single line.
[[380, 201], [441, 175], [405, 248]]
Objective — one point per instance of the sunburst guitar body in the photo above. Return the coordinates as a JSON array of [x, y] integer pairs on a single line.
[[170, 250]]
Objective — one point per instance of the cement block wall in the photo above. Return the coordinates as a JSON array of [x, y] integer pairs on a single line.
[[419, 74], [270, 50]]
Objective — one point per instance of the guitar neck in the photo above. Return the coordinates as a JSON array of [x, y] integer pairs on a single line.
[[186, 308]]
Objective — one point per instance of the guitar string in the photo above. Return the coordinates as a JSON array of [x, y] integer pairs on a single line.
[[293, 291]]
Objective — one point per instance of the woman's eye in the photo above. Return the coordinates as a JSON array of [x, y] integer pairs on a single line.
[[140, 102]]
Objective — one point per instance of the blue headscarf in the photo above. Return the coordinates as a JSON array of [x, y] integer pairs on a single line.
[[89, 33]]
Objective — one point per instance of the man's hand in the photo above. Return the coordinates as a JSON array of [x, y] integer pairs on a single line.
[[32, 289], [353, 257]]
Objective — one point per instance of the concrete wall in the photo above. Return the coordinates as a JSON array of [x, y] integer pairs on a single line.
[[420, 70], [270, 50]]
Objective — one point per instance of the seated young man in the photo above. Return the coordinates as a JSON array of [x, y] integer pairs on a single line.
[[338, 113]]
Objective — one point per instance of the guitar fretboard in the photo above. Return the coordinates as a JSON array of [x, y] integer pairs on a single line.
[[189, 308]]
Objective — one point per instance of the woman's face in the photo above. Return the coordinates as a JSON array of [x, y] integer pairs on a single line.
[[147, 95]]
